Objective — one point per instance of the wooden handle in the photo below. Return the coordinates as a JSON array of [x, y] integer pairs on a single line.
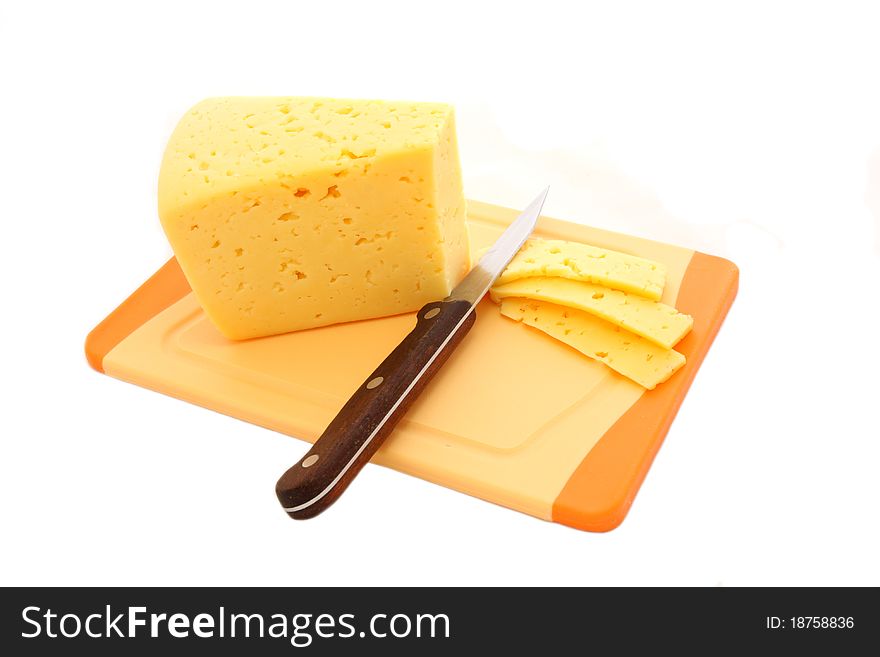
[[370, 415]]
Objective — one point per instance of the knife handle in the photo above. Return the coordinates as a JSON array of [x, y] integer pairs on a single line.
[[366, 420]]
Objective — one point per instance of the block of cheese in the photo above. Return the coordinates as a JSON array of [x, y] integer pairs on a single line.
[[591, 264], [653, 320], [630, 355], [289, 213]]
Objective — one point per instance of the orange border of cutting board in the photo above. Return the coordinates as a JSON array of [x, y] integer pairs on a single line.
[[600, 491], [162, 289]]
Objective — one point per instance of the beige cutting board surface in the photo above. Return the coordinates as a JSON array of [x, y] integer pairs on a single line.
[[510, 418]]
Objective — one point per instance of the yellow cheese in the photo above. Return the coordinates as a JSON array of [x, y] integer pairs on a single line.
[[583, 262], [628, 354], [290, 213], [653, 320]]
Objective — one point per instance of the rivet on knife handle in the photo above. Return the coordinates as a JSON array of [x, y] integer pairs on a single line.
[[369, 416]]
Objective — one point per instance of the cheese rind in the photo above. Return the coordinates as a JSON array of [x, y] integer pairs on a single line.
[[591, 264], [652, 320], [634, 357], [291, 213]]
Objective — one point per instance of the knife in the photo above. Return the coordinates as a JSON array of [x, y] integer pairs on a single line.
[[367, 419]]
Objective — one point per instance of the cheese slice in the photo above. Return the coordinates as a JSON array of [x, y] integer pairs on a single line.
[[634, 357], [583, 262], [653, 320], [289, 213]]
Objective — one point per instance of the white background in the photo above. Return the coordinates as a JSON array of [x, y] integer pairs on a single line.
[[750, 131]]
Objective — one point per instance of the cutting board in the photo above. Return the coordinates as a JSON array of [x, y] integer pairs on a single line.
[[514, 417]]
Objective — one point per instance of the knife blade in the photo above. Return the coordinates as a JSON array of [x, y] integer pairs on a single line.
[[369, 416]]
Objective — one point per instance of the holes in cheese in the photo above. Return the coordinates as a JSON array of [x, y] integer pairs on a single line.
[[632, 356], [290, 213], [591, 264], [652, 320]]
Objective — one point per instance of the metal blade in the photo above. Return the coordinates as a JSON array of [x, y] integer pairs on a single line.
[[480, 278]]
